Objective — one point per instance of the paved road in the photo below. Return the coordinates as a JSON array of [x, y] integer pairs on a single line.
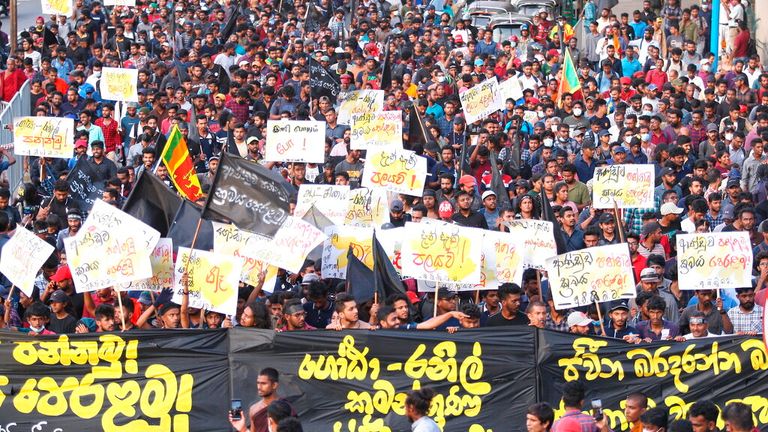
[[28, 10]]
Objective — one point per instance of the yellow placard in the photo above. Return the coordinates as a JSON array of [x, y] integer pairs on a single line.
[[335, 248], [442, 253], [118, 84], [56, 7], [44, 136], [377, 129], [359, 102], [396, 170], [714, 260], [212, 280], [230, 240], [597, 274], [629, 186]]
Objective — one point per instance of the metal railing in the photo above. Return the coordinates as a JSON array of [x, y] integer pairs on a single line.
[[19, 106]]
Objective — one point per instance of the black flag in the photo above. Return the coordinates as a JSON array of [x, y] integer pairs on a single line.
[[82, 190], [321, 222], [359, 279], [386, 281], [322, 82], [182, 230], [386, 69], [497, 185], [416, 132], [248, 195], [153, 203], [548, 215], [229, 27]]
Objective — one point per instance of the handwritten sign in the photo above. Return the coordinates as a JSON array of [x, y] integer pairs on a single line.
[[111, 248], [538, 241], [21, 258], [161, 260], [294, 242], [56, 7], [212, 280], [599, 274], [441, 253], [339, 239], [391, 240], [714, 260], [330, 200], [630, 186], [44, 136], [399, 171], [120, 84], [510, 89], [119, 3], [359, 102], [295, 141], [230, 240], [488, 279], [507, 253], [367, 207], [377, 129], [481, 100]]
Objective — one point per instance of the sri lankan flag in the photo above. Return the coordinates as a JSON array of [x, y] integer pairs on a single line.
[[180, 167], [569, 80]]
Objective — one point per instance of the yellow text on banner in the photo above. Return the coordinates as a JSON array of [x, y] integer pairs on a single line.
[[441, 253]]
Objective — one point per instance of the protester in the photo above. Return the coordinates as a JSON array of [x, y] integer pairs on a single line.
[[417, 405]]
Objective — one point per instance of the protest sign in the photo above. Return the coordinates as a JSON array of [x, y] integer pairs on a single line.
[[597, 274], [111, 248], [294, 242], [51, 137], [119, 3], [21, 258], [538, 241], [442, 253], [161, 260], [55, 7], [119, 84], [392, 242], [507, 254], [396, 170], [82, 191], [488, 270], [212, 280], [330, 200], [359, 102], [510, 89], [248, 195], [377, 129], [367, 207], [322, 82], [230, 240], [714, 260], [481, 100], [295, 141], [339, 240], [629, 186]]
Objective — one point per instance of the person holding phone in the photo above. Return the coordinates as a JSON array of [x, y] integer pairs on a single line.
[[574, 420], [267, 384]]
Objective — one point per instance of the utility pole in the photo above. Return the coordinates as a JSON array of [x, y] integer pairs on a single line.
[[14, 26]]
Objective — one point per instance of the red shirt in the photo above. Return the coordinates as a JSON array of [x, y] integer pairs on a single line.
[[11, 83], [740, 43], [112, 137]]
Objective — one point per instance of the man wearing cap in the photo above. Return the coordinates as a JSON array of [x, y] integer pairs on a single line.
[[74, 222], [651, 282], [397, 215], [670, 219], [617, 325], [607, 225], [490, 210], [62, 320], [579, 323], [668, 182]]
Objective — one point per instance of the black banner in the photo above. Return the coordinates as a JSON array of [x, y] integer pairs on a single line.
[[81, 188], [182, 380], [248, 195], [144, 380], [153, 202], [322, 82], [676, 374]]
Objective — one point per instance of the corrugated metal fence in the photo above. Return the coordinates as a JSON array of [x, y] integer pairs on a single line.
[[19, 106]]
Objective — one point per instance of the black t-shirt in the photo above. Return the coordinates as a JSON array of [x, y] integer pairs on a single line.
[[61, 326], [498, 320]]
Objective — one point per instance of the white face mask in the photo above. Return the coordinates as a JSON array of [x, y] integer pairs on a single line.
[[577, 112], [540, 114], [647, 113], [37, 329], [728, 136], [705, 68], [628, 139], [441, 78], [547, 142]]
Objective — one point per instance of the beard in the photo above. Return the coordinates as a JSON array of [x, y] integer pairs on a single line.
[[748, 305]]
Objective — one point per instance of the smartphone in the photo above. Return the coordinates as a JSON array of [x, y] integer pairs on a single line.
[[597, 409], [236, 409]]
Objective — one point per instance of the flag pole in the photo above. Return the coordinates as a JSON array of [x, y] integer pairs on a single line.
[[599, 313], [619, 227], [437, 289], [122, 315]]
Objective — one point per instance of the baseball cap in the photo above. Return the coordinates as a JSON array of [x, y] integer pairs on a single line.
[[445, 293], [309, 278], [606, 218], [396, 206], [63, 273], [578, 319], [467, 179], [619, 149], [670, 208], [59, 296], [603, 133], [711, 127], [649, 275], [728, 212], [445, 210], [650, 228], [666, 171], [733, 183], [621, 304], [488, 193]]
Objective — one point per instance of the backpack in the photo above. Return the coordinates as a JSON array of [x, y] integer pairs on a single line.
[[751, 47]]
